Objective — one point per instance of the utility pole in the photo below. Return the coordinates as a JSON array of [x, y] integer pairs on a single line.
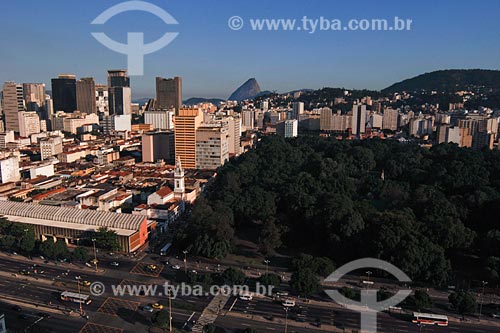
[[170, 309], [286, 319], [95, 254], [78, 278], [482, 295], [185, 261]]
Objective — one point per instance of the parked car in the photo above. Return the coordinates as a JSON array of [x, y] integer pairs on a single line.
[[157, 306], [114, 264], [288, 303], [147, 308], [176, 267], [246, 297]]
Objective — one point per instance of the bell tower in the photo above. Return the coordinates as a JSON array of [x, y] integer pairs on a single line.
[[179, 188]]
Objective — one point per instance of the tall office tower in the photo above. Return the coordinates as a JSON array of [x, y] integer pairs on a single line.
[[34, 96], [12, 104], [248, 119], [64, 93], [169, 93], [29, 123], [390, 120], [119, 93], [120, 101], [86, 95], [212, 145], [298, 109], [101, 95], [187, 121], [158, 146], [358, 119], [118, 78]]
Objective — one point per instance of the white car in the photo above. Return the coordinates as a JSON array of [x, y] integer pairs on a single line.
[[288, 303], [115, 264], [246, 297], [176, 267]]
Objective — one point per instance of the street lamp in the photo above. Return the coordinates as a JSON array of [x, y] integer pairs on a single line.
[[78, 278], [170, 308], [482, 294], [286, 318], [95, 254], [267, 265], [185, 261]]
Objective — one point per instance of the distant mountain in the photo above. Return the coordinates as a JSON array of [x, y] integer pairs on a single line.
[[197, 100], [449, 80], [247, 90]]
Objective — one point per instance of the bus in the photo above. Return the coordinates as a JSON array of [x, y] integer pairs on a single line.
[[164, 250], [75, 297], [429, 319]]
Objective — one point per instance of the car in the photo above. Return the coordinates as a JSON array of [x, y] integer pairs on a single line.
[[147, 308], [24, 272], [288, 303], [194, 271], [114, 264], [157, 306], [152, 267], [495, 315], [176, 267], [86, 283], [111, 253], [246, 297], [17, 308]]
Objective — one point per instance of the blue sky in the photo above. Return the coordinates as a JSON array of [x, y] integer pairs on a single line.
[[41, 39]]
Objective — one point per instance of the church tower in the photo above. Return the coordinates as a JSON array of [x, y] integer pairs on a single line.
[[179, 189]]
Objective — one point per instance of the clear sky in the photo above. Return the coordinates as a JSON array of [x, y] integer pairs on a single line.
[[42, 38]]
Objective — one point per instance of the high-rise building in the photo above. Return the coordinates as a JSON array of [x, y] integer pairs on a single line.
[[160, 119], [158, 146], [34, 96], [169, 93], [298, 109], [288, 128], [119, 93], [248, 119], [86, 95], [29, 123], [118, 78], [390, 120], [120, 101], [212, 145], [358, 119], [12, 104], [234, 138], [187, 121], [64, 93], [101, 95]]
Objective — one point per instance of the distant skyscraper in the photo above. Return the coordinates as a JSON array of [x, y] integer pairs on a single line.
[[119, 93], [298, 109], [212, 145], [186, 122], [390, 120], [358, 119], [86, 95], [12, 104], [64, 93], [102, 95], [169, 93], [29, 123], [34, 96], [161, 119], [118, 78]]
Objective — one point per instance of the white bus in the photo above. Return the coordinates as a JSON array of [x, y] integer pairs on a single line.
[[429, 319], [75, 297]]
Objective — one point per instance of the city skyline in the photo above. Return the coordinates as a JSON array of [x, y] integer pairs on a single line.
[[206, 50]]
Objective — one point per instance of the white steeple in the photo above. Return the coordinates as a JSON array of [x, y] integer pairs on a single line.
[[179, 188]]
